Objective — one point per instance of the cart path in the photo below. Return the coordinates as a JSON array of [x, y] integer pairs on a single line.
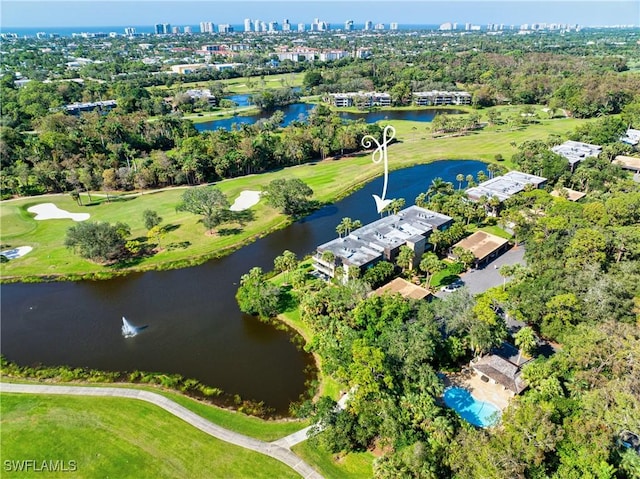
[[273, 449]]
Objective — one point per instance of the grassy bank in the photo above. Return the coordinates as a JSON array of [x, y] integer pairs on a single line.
[[263, 429], [355, 465], [115, 437], [186, 244]]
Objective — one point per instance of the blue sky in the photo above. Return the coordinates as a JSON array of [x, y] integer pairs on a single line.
[[50, 13]]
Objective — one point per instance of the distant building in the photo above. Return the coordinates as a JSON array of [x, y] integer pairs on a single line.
[[568, 193], [368, 25], [202, 94], [348, 25], [380, 240], [328, 55], [504, 187], [185, 69], [207, 27], [631, 137], [393, 26], [101, 106], [576, 151], [379, 26], [437, 98], [301, 27], [247, 24], [225, 28], [631, 163], [188, 30], [364, 99]]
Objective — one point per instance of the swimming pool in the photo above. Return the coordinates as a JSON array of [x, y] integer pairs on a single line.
[[478, 413]]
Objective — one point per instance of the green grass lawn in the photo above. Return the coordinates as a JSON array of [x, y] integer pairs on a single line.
[[116, 437], [186, 243], [355, 465], [263, 429]]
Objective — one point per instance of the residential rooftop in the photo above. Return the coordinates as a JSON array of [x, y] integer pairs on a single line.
[[404, 288], [482, 245], [505, 186], [370, 242], [576, 151]]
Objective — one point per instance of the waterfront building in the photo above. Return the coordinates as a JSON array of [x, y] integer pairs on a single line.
[[439, 98], [380, 240], [207, 27], [368, 25], [505, 186], [576, 151], [361, 99], [247, 24]]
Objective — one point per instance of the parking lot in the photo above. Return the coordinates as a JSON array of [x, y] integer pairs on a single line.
[[480, 280]]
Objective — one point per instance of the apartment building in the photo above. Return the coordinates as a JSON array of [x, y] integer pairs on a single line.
[[439, 98], [576, 151], [505, 186], [380, 240], [365, 99]]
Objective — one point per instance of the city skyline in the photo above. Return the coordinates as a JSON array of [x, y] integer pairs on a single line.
[[90, 13]]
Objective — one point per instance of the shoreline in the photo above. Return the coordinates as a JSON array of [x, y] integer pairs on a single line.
[[201, 259]]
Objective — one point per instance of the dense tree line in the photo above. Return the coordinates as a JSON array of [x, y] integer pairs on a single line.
[[126, 151]]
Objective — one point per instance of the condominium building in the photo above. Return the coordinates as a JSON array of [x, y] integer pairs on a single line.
[[505, 186], [348, 25], [247, 24], [438, 98], [328, 55], [380, 240], [393, 26], [206, 27], [576, 151], [368, 25], [101, 106], [361, 98], [225, 28]]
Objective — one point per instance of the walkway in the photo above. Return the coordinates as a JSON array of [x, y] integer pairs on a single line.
[[272, 449]]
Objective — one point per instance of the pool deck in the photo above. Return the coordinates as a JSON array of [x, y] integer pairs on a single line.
[[493, 393]]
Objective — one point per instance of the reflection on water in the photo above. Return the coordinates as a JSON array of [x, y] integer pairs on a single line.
[[195, 326]]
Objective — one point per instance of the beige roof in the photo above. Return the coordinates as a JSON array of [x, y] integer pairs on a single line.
[[572, 195], [628, 162], [481, 244], [405, 288], [502, 371]]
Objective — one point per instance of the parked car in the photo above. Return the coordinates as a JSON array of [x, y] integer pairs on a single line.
[[449, 288]]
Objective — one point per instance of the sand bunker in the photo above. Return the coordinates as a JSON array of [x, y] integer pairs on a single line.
[[49, 211], [246, 200], [16, 252]]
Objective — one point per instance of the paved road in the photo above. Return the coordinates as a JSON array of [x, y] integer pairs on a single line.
[[480, 280], [272, 449], [301, 435]]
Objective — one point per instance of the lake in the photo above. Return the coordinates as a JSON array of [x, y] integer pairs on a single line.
[[194, 325], [300, 112]]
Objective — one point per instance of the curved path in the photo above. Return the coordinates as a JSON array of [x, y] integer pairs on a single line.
[[275, 450]]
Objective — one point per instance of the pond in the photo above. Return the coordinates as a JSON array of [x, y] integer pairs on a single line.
[[300, 112], [194, 325]]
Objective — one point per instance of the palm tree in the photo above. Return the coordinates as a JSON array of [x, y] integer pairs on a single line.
[[430, 264], [459, 179], [470, 181], [438, 185], [525, 340], [405, 257]]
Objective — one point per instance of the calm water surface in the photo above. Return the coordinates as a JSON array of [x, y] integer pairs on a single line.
[[194, 325], [300, 112]]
